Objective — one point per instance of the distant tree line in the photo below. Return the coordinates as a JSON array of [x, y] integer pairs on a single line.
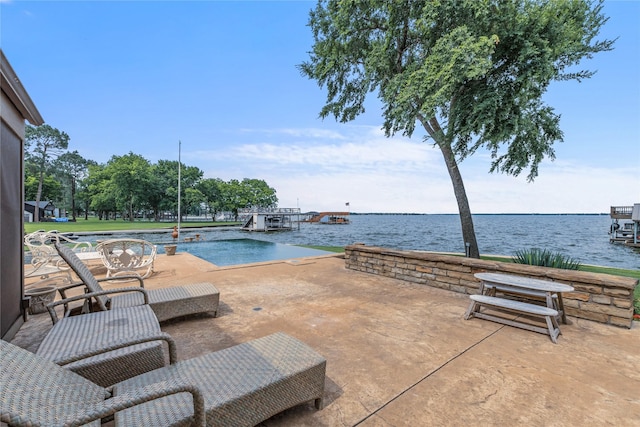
[[129, 186]]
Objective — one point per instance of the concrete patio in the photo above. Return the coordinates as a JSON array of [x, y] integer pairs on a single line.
[[401, 354]]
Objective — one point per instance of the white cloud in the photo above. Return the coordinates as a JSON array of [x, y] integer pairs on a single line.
[[363, 148], [561, 187], [378, 174], [298, 133]]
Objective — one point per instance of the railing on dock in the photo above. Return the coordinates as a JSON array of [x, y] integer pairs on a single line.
[[621, 212], [290, 211]]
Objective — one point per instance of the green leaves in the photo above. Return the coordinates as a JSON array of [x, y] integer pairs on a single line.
[[478, 68], [545, 258], [247, 193], [130, 183], [44, 143]]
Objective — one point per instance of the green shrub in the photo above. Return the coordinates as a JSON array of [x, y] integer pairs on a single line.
[[545, 258]]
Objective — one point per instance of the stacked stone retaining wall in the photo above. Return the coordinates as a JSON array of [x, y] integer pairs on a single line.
[[599, 297]]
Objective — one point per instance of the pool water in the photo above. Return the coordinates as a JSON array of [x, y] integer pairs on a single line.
[[243, 251]]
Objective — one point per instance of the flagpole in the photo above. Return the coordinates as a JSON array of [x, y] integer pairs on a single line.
[[179, 180]]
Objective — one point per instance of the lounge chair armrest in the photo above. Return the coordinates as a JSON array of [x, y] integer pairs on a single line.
[[138, 278], [161, 336], [51, 306], [63, 288], [143, 395]]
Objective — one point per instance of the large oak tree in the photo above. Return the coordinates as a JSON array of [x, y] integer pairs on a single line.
[[43, 144], [471, 73], [72, 167]]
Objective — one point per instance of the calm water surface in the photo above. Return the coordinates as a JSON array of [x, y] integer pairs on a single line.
[[582, 237], [244, 251]]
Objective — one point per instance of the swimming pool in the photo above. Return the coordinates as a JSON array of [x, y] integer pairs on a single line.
[[243, 251]]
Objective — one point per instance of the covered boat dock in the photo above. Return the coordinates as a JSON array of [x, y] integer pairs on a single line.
[[270, 219], [629, 231]]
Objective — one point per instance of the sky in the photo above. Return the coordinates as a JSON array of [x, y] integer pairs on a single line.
[[216, 83]]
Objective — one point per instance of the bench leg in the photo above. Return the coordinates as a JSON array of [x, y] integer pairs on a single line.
[[561, 309], [319, 403], [554, 331], [473, 307]]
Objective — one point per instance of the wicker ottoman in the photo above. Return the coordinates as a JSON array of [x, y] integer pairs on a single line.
[[242, 385], [168, 303]]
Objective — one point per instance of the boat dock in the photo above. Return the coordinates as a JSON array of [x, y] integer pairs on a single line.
[[627, 232], [269, 219], [329, 218]]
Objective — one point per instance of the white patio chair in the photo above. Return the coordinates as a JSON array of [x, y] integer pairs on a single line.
[[127, 257]]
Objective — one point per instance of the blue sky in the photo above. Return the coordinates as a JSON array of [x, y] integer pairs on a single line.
[[221, 77]]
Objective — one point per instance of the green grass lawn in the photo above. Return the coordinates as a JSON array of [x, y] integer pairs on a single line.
[[94, 224], [336, 249], [584, 267]]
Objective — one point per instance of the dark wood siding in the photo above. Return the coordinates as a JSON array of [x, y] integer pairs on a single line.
[[11, 206]]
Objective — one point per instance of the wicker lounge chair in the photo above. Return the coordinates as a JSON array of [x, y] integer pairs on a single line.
[[107, 346], [167, 303], [239, 386]]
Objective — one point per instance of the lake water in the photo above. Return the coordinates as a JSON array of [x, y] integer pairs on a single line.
[[582, 237]]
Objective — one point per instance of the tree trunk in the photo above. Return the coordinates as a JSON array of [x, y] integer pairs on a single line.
[[73, 198], [131, 210], [36, 212], [466, 220]]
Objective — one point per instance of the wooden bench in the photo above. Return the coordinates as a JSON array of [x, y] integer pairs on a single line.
[[492, 289], [528, 287], [517, 291], [549, 314]]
